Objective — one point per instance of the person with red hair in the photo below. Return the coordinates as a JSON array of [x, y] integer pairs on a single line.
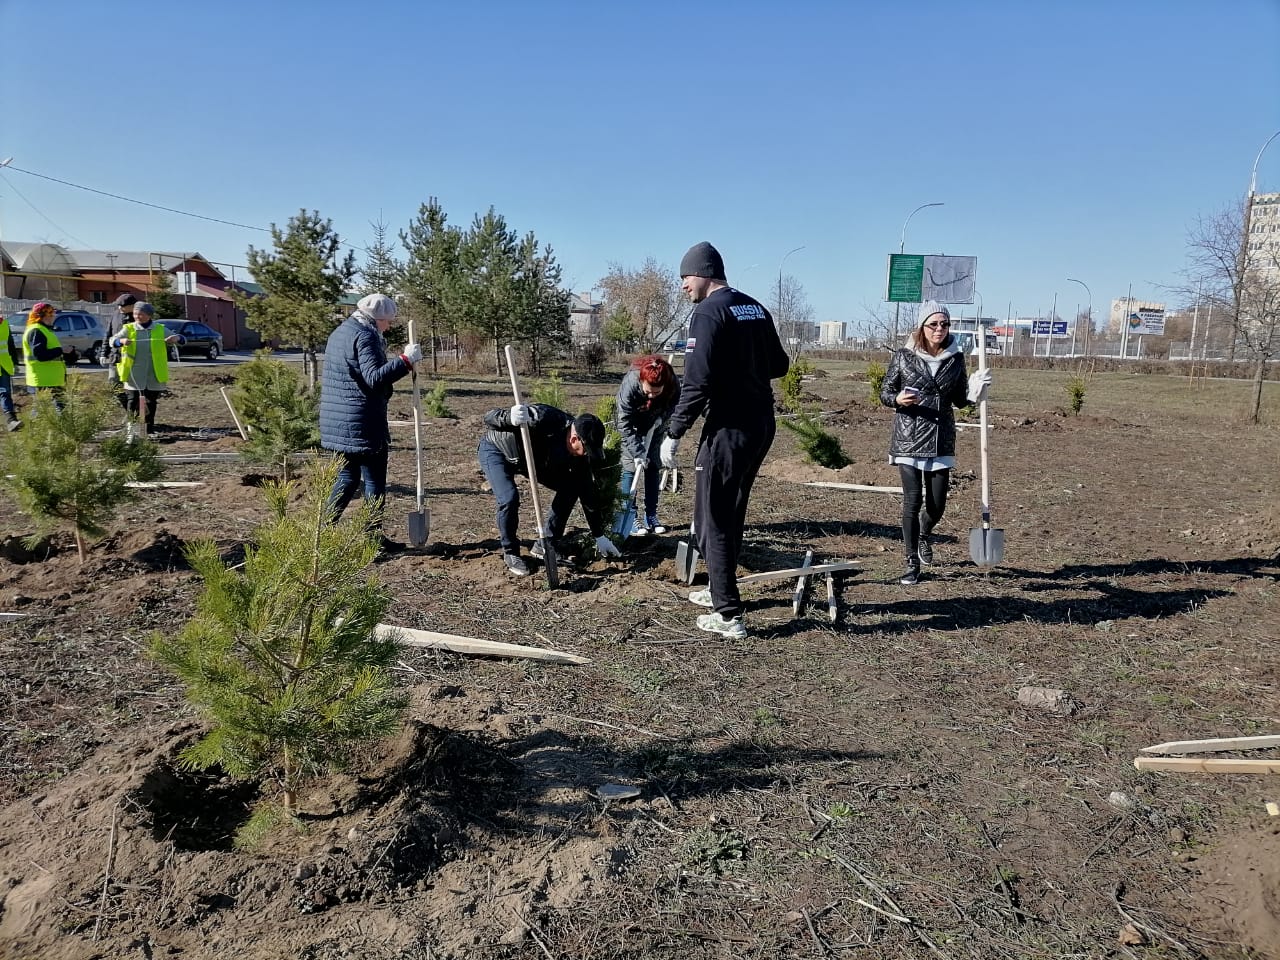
[[42, 354], [646, 398]]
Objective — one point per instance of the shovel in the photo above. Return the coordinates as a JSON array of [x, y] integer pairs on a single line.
[[420, 518], [687, 557], [626, 520], [548, 550], [986, 544]]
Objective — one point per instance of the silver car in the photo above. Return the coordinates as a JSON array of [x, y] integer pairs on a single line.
[[81, 331]]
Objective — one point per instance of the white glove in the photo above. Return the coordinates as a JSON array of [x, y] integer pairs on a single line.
[[412, 354], [641, 465], [522, 413], [668, 452], [605, 547], [979, 384]]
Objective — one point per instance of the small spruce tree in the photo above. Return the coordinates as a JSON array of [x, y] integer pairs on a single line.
[[281, 655], [876, 372], [434, 404], [791, 384], [608, 472], [1075, 387], [60, 477], [819, 446], [549, 391], [279, 410]]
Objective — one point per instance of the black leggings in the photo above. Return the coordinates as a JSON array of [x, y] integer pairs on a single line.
[[929, 489]]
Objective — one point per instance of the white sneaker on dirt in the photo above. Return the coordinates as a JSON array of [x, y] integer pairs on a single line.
[[714, 623], [654, 526], [702, 598], [638, 529]]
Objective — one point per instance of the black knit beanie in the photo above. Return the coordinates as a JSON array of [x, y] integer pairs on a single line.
[[702, 260]]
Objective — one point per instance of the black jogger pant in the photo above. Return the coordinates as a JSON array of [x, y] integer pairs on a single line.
[[725, 468], [919, 487]]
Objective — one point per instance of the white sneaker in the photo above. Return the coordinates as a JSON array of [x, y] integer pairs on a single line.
[[714, 623], [702, 598], [638, 529]]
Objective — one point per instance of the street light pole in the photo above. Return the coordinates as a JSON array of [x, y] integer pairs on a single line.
[[902, 247], [1089, 328], [780, 263]]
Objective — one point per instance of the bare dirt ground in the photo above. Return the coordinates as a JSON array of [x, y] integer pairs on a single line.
[[864, 789]]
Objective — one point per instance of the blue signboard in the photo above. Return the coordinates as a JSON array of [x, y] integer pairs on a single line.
[[1048, 328]]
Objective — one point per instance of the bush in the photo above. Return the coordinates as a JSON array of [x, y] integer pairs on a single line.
[[281, 655], [593, 356], [791, 384], [875, 379], [819, 446], [1075, 394], [58, 476], [433, 404], [277, 408]]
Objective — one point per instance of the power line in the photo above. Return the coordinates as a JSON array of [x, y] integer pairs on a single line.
[[143, 203], [58, 227]]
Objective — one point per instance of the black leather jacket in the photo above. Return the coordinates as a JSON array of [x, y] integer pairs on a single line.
[[927, 428]]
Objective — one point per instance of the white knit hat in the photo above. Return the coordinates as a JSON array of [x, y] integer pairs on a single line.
[[377, 306]]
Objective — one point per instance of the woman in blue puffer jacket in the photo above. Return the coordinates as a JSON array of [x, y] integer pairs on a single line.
[[358, 381]]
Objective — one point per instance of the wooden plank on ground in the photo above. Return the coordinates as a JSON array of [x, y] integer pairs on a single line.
[[197, 457], [163, 484], [1215, 745], [1211, 765], [11, 616], [833, 609], [472, 645], [796, 571], [859, 487]]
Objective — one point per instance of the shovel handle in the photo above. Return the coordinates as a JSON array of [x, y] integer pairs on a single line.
[[527, 439]]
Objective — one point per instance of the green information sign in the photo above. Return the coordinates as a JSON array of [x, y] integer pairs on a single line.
[[906, 277]]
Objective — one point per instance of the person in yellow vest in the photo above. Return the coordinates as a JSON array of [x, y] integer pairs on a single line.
[[6, 378], [43, 354], [144, 360]]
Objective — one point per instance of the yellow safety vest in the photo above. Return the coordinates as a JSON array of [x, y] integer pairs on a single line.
[[159, 352], [6, 358], [43, 373]]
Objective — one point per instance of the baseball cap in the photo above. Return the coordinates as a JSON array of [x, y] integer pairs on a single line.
[[591, 432]]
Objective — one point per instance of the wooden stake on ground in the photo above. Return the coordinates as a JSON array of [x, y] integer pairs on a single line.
[[1191, 765], [1214, 745], [471, 645], [802, 585], [244, 434], [859, 487], [796, 571], [833, 610]]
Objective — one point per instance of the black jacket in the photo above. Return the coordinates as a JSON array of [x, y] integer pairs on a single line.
[[557, 468], [732, 353], [637, 414], [927, 428]]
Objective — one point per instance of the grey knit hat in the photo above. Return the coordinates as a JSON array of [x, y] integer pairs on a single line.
[[929, 308], [143, 307], [702, 260], [377, 306]]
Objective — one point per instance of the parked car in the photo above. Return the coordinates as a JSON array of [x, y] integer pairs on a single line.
[[81, 331], [200, 340]]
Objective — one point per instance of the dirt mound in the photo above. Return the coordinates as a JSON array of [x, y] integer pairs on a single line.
[[878, 473], [1239, 887], [131, 852]]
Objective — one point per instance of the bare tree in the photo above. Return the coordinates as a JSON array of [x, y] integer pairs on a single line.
[[1216, 266], [650, 297], [1244, 290], [791, 312]]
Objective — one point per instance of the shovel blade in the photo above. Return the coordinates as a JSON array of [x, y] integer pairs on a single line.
[[626, 519], [986, 546], [551, 563], [419, 528], [686, 561]]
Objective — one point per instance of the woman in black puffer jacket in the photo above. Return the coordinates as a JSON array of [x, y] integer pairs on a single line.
[[925, 381]]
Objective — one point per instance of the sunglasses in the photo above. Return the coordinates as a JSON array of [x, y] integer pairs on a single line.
[[939, 326]]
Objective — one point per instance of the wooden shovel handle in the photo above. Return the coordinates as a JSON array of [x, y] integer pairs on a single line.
[[527, 439]]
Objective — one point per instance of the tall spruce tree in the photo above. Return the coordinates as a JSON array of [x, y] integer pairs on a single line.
[[541, 307], [281, 655], [488, 259], [431, 273], [303, 281]]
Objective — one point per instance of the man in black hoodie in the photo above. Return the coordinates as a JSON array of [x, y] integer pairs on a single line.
[[732, 353]]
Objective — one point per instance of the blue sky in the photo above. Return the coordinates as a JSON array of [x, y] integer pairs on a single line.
[[1077, 139]]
